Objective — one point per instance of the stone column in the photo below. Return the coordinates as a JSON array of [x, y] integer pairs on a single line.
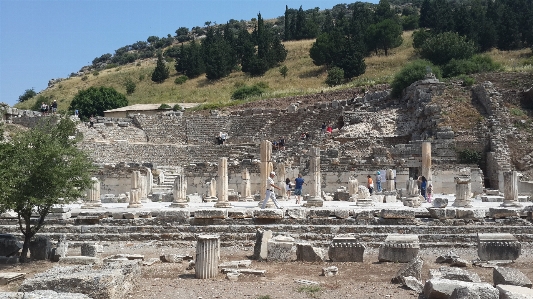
[[315, 194], [389, 183], [212, 191], [266, 168], [222, 187], [149, 180], [135, 192], [246, 192], [462, 190], [412, 198], [426, 160], [510, 189], [281, 181], [353, 188], [144, 187], [207, 256], [93, 195], [180, 192]]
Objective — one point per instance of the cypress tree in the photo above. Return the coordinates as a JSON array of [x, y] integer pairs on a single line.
[[161, 72]]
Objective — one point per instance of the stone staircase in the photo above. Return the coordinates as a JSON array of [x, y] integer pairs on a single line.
[[167, 186]]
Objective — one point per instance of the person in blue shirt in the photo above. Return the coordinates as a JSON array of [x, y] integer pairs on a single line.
[[299, 182], [423, 186]]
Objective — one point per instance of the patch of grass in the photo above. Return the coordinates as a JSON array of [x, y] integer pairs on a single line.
[[264, 297], [312, 291], [517, 112]]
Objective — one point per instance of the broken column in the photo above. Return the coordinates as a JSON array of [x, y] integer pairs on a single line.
[[315, 194], [281, 181], [503, 246], [143, 189], [399, 248], [353, 188], [207, 256], [510, 189], [222, 187], [93, 195], [413, 198], [462, 190], [149, 180], [389, 183], [212, 191], [180, 191], [246, 192], [346, 249], [135, 192], [266, 168], [426, 160]]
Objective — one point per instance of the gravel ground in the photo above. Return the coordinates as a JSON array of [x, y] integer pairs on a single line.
[[369, 279]]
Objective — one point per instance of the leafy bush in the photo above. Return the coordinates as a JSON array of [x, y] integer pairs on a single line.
[[411, 73], [96, 73], [28, 94], [245, 92], [262, 84], [84, 78], [96, 100], [164, 107], [335, 76], [476, 64], [468, 156], [141, 77], [181, 79], [283, 71], [443, 47], [130, 86], [419, 38], [177, 107], [467, 81], [111, 65]]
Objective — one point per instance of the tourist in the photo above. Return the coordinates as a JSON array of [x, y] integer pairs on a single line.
[[91, 121], [43, 108], [288, 187], [302, 136], [281, 143], [54, 107], [270, 191], [370, 184], [223, 137], [299, 182], [429, 192], [323, 129], [423, 185], [275, 145], [378, 181]]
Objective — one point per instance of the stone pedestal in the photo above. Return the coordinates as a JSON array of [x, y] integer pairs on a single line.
[[93, 195], [246, 192], [346, 249], [353, 189], [389, 183], [280, 249], [399, 248], [498, 247], [207, 256], [180, 192], [315, 192], [135, 192], [364, 202], [462, 192], [222, 187], [412, 201], [510, 189], [212, 191]]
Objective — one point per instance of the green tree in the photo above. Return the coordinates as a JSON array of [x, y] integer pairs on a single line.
[[335, 76], [191, 60], [39, 166], [218, 55], [130, 86], [385, 35], [412, 72], [161, 72], [182, 34], [28, 94], [96, 100], [283, 71], [443, 47]]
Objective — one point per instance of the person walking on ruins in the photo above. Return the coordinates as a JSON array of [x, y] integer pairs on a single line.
[[288, 187], [299, 182], [370, 184], [423, 186], [271, 185], [281, 143], [378, 181], [429, 192], [323, 128], [54, 107], [91, 121]]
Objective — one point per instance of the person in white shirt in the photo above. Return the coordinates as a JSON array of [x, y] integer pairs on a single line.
[[270, 191]]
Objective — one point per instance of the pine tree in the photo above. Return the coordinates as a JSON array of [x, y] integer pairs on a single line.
[[161, 72]]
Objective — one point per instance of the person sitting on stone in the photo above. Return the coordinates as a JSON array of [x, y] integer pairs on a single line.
[[281, 143]]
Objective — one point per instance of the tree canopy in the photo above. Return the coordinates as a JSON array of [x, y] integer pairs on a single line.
[[161, 72], [28, 94], [96, 100], [37, 168]]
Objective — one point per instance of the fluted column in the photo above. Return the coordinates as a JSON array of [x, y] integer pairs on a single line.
[[207, 256], [149, 180], [353, 188], [180, 191], [135, 192], [222, 187], [389, 183], [93, 195], [280, 175], [510, 189], [463, 190], [315, 194], [266, 168], [426, 160], [246, 192]]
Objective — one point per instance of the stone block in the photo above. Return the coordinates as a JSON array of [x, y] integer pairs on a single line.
[[89, 249], [452, 273], [79, 260], [87, 220], [59, 216], [40, 248], [489, 198], [510, 276], [211, 214], [399, 248], [261, 241], [268, 214], [502, 213], [130, 215], [117, 215], [443, 288], [363, 214], [498, 247], [170, 258], [342, 213], [305, 252], [321, 212], [280, 249], [60, 251], [440, 202], [330, 271], [412, 269], [9, 245], [60, 209], [390, 199], [514, 292], [346, 249], [467, 213], [7, 277], [464, 293], [178, 215], [42, 294], [239, 213], [413, 283], [397, 214], [297, 213], [439, 213]]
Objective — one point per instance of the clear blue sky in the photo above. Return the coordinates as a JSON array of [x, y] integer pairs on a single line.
[[45, 39]]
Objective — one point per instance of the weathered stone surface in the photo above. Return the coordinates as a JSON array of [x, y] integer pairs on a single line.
[[9, 245], [111, 281], [346, 249], [239, 213], [447, 258], [440, 202], [439, 213], [236, 264], [211, 214], [170, 258], [330, 271], [305, 252], [510, 276], [89, 249], [464, 293], [503, 212], [363, 214], [7, 277], [297, 213], [280, 249], [40, 248], [443, 288], [79, 260], [467, 213], [321, 212], [453, 274], [42, 294], [399, 248], [514, 292], [413, 269], [342, 213], [413, 284], [397, 214], [261, 240], [498, 247], [179, 215], [269, 214]]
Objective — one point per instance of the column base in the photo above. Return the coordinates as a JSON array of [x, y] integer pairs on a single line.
[[91, 205], [223, 205], [511, 204], [180, 205], [135, 205], [314, 202], [462, 204], [210, 199], [364, 202]]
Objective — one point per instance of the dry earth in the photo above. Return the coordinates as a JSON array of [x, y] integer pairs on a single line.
[[369, 279]]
